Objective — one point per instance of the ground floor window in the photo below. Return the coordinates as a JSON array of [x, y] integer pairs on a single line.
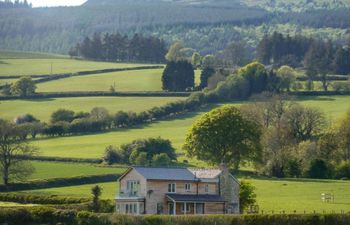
[[130, 208], [187, 209]]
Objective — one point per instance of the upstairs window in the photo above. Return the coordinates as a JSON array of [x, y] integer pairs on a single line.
[[132, 187], [172, 188], [188, 187]]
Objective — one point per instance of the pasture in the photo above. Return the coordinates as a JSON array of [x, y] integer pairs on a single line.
[[43, 108], [273, 195], [138, 80], [92, 146], [109, 190], [48, 170], [21, 67]]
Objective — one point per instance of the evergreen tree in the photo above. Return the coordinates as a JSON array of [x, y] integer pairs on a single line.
[[178, 76], [207, 72]]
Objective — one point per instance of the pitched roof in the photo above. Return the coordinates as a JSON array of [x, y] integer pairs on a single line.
[[166, 173], [206, 173], [195, 198]]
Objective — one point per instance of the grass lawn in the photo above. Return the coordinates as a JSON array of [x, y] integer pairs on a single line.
[[64, 65], [301, 194], [10, 54], [92, 146], [43, 108], [109, 190], [139, 80], [46, 170], [7, 81]]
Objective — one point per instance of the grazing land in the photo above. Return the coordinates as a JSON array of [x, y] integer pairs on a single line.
[[272, 195], [109, 190], [301, 194], [92, 146], [19, 67], [48, 170], [139, 80], [43, 108]]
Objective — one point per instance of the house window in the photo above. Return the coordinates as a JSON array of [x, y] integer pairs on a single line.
[[188, 187], [127, 208], [132, 187], [206, 188], [188, 208], [172, 188]]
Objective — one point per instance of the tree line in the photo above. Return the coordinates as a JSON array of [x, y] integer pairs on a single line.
[[8, 4], [314, 54], [118, 47]]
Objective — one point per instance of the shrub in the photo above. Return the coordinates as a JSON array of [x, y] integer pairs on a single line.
[[319, 169], [161, 160], [342, 170], [112, 156]]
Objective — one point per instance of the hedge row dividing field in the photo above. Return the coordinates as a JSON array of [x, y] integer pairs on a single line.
[[43, 108]]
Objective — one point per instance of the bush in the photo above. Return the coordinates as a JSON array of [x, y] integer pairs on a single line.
[[342, 170], [112, 156], [319, 169]]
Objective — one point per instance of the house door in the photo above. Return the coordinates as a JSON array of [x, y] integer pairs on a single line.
[[171, 208], [200, 208]]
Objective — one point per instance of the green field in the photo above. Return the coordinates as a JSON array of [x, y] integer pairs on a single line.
[[109, 190], [300, 195], [92, 146], [19, 67], [47, 170], [272, 195], [140, 80], [43, 108], [5, 54]]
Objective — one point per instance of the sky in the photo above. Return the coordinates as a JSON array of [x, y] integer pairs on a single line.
[[44, 3]]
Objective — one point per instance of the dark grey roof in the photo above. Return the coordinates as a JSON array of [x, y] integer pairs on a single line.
[[165, 173], [195, 198]]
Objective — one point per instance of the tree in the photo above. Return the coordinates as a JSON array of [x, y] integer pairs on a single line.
[[224, 136], [206, 73], [27, 118], [287, 77], [178, 76], [208, 61], [196, 60], [112, 156], [96, 192], [304, 123], [176, 52], [161, 160], [25, 86], [247, 196], [13, 151], [341, 62], [62, 115], [344, 137], [256, 74]]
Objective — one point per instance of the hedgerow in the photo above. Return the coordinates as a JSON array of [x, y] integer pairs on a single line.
[[49, 215]]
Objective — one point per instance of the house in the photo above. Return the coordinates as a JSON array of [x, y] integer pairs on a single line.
[[177, 191]]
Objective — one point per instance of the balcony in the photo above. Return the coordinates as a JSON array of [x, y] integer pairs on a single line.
[[129, 195]]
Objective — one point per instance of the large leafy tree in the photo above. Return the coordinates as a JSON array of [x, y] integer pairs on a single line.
[[224, 136], [257, 76], [13, 151], [178, 76], [23, 87]]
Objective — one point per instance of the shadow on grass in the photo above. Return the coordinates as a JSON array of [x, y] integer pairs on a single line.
[[3, 63], [38, 99], [315, 98]]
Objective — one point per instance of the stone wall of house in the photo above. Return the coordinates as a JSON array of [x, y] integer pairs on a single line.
[[229, 190]]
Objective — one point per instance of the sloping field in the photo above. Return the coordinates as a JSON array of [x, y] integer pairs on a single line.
[[20, 67], [138, 80], [92, 146], [43, 108]]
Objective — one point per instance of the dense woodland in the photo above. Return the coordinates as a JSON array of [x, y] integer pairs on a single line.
[[316, 55], [8, 4], [118, 47], [207, 27]]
